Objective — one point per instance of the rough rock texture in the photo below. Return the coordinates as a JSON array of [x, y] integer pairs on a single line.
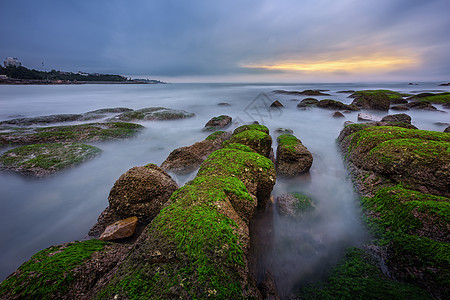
[[120, 229], [268, 287], [292, 157], [251, 136], [141, 192], [337, 114], [153, 113], [73, 133], [41, 160], [307, 102], [447, 130], [425, 105], [293, 205], [368, 117], [400, 107], [403, 118], [188, 159], [372, 100], [404, 175], [333, 104], [218, 123]]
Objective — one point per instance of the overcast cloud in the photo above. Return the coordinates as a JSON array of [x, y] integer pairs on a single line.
[[220, 39]]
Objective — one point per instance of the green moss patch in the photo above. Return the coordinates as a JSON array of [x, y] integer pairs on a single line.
[[251, 127], [288, 141], [49, 271], [43, 159], [357, 276], [391, 94], [214, 136], [436, 98], [259, 141]]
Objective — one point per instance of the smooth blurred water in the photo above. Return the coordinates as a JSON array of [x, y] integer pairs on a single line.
[[37, 213]]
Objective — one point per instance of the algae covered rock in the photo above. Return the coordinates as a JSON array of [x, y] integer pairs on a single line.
[[187, 159], [218, 123], [72, 133], [294, 204], [141, 192], [153, 113], [292, 157], [334, 104], [254, 136], [401, 118], [377, 100], [44, 159]]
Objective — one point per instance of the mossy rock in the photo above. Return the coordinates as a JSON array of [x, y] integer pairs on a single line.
[[219, 122], [336, 105], [293, 158], [259, 141], [294, 204], [418, 158], [439, 98], [305, 92], [44, 159], [73, 133], [153, 113], [251, 127], [68, 271], [376, 99], [43, 120], [357, 276]]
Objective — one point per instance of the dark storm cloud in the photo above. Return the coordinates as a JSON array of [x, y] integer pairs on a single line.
[[201, 38]]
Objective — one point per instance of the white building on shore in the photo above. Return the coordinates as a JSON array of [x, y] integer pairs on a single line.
[[12, 62]]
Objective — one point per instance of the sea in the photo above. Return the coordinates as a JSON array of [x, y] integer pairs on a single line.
[[38, 213]]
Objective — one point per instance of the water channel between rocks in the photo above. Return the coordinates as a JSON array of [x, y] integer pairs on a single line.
[[37, 213]]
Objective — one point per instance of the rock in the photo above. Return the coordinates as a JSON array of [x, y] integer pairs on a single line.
[[348, 123], [425, 105], [254, 126], [141, 192], [337, 114], [43, 120], [41, 160], [446, 105], [253, 136], [445, 84], [120, 229], [346, 92], [268, 287], [292, 157], [103, 112], [401, 118], [73, 133], [188, 159], [294, 204], [375, 100], [307, 102], [224, 104], [398, 100], [218, 123], [284, 130], [400, 107], [333, 104], [447, 130], [368, 117], [305, 92], [276, 103], [153, 113]]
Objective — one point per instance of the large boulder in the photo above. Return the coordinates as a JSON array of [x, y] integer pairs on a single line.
[[398, 118], [141, 192], [188, 159], [337, 105], [253, 136], [218, 123], [292, 157], [375, 100]]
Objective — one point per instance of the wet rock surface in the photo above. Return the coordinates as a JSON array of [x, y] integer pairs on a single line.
[[153, 113], [188, 159], [337, 105], [368, 117], [292, 157], [305, 92], [219, 122], [120, 229], [375, 100], [41, 160], [293, 204]]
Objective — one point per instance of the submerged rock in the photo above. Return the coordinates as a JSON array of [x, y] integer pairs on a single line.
[[400, 107], [73, 133], [218, 123], [376, 100], [337, 114], [153, 113], [368, 117], [401, 118], [224, 104], [425, 105], [333, 104], [120, 229], [284, 130], [276, 103], [292, 157], [305, 92], [307, 102], [141, 192], [44, 159], [188, 159], [294, 204]]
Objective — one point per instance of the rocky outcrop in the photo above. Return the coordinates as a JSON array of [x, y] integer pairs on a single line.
[[425, 105], [197, 246], [41, 160], [293, 205], [376, 100], [73, 133], [218, 123], [397, 118], [120, 229], [305, 92], [337, 105], [188, 159], [292, 157], [153, 113], [254, 136], [307, 102]]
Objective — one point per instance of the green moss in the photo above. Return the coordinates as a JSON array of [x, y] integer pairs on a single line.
[[238, 146], [288, 141], [51, 157], [49, 271], [259, 141], [437, 98], [358, 277], [391, 94], [304, 202], [251, 127], [214, 136]]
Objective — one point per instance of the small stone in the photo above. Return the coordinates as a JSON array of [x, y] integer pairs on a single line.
[[284, 130], [276, 103], [368, 117], [338, 115], [218, 123], [120, 229]]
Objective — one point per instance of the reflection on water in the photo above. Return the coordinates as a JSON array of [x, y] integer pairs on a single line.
[[37, 213]]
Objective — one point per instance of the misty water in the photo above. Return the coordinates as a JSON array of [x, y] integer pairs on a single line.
[[38, 213]]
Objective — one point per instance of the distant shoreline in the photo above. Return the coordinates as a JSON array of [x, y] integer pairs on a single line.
[[60, 82]]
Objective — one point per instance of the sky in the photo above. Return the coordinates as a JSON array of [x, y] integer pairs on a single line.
[[233, 40]]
